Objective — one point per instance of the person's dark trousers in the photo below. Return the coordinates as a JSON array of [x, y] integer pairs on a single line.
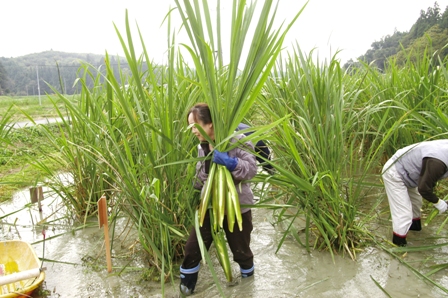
[[192, 253], [239, 242], [399, 240], [188, 279], [416, 224], [263, 154]]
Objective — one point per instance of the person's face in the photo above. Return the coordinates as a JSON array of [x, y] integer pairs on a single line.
[[208, 128]]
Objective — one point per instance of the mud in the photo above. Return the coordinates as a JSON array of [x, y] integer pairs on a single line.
[[76, 264]]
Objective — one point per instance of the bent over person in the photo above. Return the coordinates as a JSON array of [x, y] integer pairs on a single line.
[[410, 174], [243, 166], [261, 149]]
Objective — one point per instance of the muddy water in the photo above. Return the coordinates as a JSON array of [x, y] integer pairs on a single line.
[[76, 265]]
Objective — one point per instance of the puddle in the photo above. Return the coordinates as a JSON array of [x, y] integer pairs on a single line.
[[76, 264]]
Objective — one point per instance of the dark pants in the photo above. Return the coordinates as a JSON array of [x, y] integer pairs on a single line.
[[239, 242], [264, 154]]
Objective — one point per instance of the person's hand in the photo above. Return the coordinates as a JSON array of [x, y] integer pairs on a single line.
[[441, 206], [224, 159]]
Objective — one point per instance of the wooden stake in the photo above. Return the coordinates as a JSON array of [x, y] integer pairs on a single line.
[[102, 219], [37, 195]]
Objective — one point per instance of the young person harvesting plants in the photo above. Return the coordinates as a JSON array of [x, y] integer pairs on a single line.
[[242, 165], [410, 174]]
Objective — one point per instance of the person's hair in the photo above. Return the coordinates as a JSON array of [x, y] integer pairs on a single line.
[[200, 112]]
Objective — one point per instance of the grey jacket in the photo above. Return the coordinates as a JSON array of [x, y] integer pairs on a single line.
[[409, 160], [245, 170]]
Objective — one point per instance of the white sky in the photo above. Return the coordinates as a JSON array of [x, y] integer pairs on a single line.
[[31, 26]]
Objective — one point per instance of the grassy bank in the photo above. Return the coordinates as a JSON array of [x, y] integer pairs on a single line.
[[26, 147], [24, 107]]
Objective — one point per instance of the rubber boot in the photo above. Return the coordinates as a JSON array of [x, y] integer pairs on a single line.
[[399, 240], [247, 272], [188, 279], [416, 225]]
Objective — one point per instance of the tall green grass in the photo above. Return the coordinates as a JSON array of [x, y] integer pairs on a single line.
[[23, 107], [119, 138], [416, 94], [5, 126], [321, 147], [341, 130]]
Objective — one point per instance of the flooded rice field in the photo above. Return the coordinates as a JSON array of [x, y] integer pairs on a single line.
[[75, 261]]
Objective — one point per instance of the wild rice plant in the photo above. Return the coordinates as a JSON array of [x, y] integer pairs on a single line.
[[431, 118], [322, 153], [415, 92], [79, 138], [155, 190], [124, 133]]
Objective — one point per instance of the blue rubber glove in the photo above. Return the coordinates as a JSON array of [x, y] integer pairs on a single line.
[[224, 159]]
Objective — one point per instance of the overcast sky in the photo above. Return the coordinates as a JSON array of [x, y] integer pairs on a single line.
[[31, 26]]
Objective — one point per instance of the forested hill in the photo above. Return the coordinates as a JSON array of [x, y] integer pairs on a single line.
[[19, 76], [429, 32]]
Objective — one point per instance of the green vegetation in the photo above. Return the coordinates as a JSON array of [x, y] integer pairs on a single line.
[[18, 157], [430, 32], [28, 108], [21, 149]]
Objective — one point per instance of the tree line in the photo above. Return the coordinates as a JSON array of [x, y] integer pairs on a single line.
[[428, 33], [38, 73], [35, 73]]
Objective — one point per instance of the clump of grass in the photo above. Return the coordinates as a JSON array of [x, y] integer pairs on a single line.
[[340, 131]]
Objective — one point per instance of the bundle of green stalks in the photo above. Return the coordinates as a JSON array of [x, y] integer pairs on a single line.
[[230, 92], [221, 189]]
